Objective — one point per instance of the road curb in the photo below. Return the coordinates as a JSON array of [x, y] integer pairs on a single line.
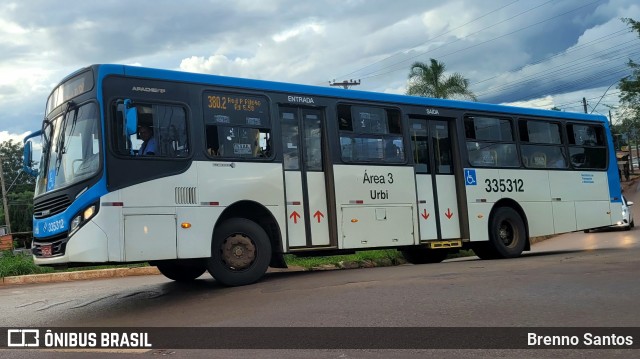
[[79, 275]]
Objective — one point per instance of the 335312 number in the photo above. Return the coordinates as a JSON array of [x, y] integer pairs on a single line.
[[504, 185]]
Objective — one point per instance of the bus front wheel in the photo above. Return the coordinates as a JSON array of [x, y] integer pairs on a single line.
[[507, 233], [240, 252]]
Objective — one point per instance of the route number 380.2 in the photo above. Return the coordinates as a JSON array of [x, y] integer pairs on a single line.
[[504, 185]]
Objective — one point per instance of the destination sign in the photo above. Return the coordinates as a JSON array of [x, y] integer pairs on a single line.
[[236, 109], [235, 103]]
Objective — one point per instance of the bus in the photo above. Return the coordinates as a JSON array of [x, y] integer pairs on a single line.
[[245, 171]]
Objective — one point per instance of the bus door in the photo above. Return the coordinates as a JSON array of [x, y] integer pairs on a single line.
[[432, 150], [304, 176]]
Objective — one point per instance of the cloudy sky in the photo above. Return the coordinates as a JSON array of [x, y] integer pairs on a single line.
[[535, 53]]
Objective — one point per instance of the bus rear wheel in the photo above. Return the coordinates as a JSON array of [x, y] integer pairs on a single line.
[[421, 255], [507, 233], [181, 271], [240, 252], [485, 250]]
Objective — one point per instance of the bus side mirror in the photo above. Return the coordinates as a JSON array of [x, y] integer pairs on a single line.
[[130, 118], [27, 155]]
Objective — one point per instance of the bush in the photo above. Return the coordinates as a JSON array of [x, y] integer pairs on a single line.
[[19, 264]]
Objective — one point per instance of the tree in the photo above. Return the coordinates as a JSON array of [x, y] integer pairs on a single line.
[[19, 186], [630, 91], [429, 80]]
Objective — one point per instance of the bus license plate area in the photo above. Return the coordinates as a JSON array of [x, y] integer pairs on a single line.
[[45, 250]]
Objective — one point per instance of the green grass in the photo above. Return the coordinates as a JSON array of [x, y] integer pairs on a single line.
[[379, 258], [22, 264], [19, 264], [386, 257]]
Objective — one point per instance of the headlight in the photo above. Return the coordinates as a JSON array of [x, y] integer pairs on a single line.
[[81, 218], [89, 212], [75, 223]]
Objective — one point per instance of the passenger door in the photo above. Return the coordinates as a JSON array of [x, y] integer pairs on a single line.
[[432, 150], [304, 173]]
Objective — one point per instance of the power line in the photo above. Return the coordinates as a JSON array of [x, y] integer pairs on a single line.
[[373, 74], [573, 49], [587, 64], [435, 37]]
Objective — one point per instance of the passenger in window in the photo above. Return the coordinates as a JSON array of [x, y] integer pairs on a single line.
[[392, 152], [149, 142], [557, 162]]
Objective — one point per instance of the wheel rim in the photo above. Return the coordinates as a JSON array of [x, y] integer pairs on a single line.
[[238, 252], [507, 233]]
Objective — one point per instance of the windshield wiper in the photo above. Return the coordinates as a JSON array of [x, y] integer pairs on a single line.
[[60, 145], [46, 150]]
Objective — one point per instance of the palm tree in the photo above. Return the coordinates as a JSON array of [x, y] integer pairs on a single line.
[[430, 81]]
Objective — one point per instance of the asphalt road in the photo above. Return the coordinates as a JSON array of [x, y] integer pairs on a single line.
[[572, 280]]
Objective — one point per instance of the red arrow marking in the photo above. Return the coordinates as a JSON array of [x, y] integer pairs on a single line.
[[295, 217], [449, 214], [318, 214], [424, 214]]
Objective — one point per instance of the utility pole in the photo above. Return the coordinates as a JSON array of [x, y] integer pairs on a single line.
[[346, 83], [584, 104], [4, 198]]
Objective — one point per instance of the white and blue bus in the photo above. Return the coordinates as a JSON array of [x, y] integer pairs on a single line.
[[244, 171]]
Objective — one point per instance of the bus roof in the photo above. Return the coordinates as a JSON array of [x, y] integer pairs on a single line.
[[308, 90]]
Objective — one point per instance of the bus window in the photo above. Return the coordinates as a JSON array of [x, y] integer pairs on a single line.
[[490, 142], [439, 131], [419, 145], [167, 126], [312, 140], [587, 146], [542, 144], [290, 141], [370, 134], [237, 126]]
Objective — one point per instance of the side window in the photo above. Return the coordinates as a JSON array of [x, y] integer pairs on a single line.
[[587, 146], [419, 144], [162, 132], [370, 134], [541, 144], [237, 126], [490, 142], [290, 141]]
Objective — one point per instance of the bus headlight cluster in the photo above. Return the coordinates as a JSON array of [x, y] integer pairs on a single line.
[[81, 218]]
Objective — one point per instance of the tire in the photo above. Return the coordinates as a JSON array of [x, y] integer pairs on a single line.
[[485, 250], [587, 231], [507, 233], [632, 224], [240, 252], [181, 271], [421, 255]]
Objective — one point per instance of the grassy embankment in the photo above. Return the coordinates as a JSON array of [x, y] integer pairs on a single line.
[[21, 264]]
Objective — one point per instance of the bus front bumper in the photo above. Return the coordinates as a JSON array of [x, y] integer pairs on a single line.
[[87, 245]]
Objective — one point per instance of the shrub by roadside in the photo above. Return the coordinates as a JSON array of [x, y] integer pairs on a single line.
[[19, 264]]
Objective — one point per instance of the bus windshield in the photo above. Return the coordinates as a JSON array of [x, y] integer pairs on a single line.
[[71, 148]]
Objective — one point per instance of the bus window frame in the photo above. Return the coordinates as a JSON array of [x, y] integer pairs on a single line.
[[113, 128], [604, 146], [515, 140], [386, 107], [563, 145], [270, 127]]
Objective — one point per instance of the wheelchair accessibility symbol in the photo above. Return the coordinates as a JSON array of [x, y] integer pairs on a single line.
[[470, 177]]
